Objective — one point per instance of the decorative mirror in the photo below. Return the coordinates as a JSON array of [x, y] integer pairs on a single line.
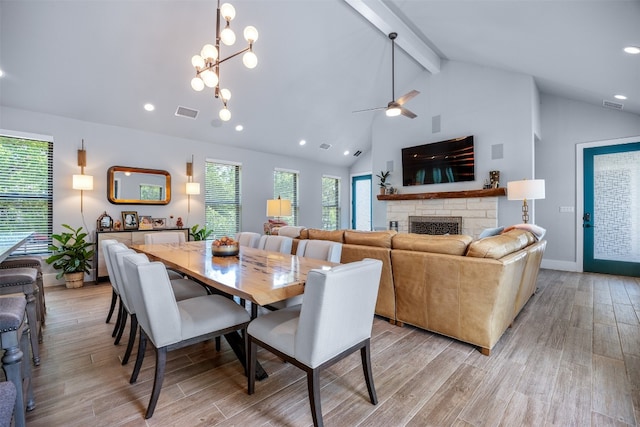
[[138, 186]]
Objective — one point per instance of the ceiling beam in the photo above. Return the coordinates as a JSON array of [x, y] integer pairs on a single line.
[[386, 21]]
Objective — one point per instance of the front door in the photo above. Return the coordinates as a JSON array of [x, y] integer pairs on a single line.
[[611, 221], [361, 202]]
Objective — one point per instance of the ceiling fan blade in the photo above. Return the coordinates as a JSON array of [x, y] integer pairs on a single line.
[[369, 109], [407, 96], [407, 113]]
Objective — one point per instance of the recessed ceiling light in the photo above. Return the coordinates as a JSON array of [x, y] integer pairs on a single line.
[[239, 128], [149, 107], [302, 142], [346, 153], [620, 97], [633, 50], [1, 73]]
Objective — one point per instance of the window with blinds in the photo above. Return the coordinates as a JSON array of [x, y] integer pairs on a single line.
[[222, 198], [330, 203], [285, 185], [26, 190]]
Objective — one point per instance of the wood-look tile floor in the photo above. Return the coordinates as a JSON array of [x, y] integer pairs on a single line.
[[572, 358]]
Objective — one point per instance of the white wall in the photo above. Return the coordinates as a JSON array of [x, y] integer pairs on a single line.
[[566, 123]]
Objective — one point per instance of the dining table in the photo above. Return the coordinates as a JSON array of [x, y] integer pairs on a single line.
[[10, 241], [254, 275]]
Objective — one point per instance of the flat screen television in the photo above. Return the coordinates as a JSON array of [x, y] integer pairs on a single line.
[[439, 162]]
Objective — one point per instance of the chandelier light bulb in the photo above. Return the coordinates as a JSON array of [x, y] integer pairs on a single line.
[[227, 11], [197, 62], [210, 78], [249, 59], [225, 94], [393, 112], [250, 34], [227, 36], [225, 114], [209, 51], [197, 84]]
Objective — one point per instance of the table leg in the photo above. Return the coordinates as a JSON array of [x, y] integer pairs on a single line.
[[237, 345]]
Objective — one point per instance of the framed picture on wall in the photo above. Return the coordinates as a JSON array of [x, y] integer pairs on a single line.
[[130, 220]]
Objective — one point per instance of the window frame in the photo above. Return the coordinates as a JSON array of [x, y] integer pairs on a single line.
[[290, 194], [334, 204], [210, 201]]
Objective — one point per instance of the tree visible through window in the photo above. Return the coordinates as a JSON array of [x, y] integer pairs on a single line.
[[222, 198], [285, 185], [151, 192], [330, 203], [26, 190]]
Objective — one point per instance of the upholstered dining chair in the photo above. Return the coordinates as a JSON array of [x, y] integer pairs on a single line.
[[115, 293], [169, 324], [280, 244], [159, 237], [334, 320], [248, 238]]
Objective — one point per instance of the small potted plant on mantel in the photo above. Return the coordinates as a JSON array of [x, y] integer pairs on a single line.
[[72, 255], [383, 181]]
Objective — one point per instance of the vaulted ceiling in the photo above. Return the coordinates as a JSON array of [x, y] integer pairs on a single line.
[[101, 61]]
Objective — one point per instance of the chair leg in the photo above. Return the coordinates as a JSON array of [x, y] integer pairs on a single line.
[[313, 385], [118, 319], [142, 347], [32, 318], [365, 354], [114, 299], [132, 339], [161, 360], [251, 366], [123, 323]]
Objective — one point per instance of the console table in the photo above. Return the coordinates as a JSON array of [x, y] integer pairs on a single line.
[[128, 237]]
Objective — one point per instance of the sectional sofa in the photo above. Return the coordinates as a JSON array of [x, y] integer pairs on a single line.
[[452, 285]]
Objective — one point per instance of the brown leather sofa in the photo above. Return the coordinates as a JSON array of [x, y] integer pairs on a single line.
[[467, 290]]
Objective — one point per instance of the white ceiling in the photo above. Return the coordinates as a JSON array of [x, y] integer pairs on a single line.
[[100, 61]]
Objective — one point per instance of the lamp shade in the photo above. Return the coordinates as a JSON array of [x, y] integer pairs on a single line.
[[193, 188], [82, 182], [278, 207], [527, 189]]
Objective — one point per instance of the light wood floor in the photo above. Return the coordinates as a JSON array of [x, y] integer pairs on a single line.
[[572, 358]]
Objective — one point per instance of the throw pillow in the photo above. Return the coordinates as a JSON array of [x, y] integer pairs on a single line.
[[490, 232]]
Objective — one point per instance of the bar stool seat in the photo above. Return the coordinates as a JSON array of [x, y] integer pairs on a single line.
[[15, 280], [14, 342], [31, 261], [7, 402]]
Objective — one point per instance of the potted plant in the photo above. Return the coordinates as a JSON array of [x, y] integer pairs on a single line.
[[200, 234], [383, 181], [72, 255]]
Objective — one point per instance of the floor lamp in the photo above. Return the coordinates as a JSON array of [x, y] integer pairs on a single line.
[[527, 189]]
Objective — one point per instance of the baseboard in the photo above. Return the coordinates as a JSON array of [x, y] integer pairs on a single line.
[[49, 279], [560, 265]]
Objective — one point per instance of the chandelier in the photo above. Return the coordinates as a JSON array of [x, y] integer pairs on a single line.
[[207, 64]]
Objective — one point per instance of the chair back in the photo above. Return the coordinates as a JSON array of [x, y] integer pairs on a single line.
[[163, 237], [109, 258], [123, 281], [247, 238], [337, 310], [280, 244], [153, 299], [320, 249]]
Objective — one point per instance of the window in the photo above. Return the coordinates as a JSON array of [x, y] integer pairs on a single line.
[[151, 192], [330, 203], [222, 197], [285, 185], [26, 189]]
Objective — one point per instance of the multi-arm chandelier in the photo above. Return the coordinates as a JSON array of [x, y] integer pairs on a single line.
[[207, 64]]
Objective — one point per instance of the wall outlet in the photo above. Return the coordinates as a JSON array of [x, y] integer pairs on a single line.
[[566, 209]]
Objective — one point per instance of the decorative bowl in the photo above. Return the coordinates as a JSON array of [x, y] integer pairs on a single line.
[[225, 250]]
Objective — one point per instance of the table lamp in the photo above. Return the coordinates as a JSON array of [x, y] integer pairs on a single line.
[[527, 189]]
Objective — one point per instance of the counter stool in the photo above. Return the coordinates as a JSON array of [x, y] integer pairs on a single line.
[[14, 342], [26, 261], [15, 280]]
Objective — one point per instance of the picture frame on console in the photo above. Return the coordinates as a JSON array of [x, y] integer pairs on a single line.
[[130, 220], [159, 223]]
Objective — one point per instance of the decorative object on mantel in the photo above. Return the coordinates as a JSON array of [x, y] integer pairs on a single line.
[[495, 179], [207, 64], [104, 222], [179, 223], [492, 192], [383, 181], [526, 189]]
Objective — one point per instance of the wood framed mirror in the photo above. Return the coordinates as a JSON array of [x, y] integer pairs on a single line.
[[138, 186]]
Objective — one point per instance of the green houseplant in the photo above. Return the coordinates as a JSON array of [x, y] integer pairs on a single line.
[[199, 234], [72, 255], [383, 180]]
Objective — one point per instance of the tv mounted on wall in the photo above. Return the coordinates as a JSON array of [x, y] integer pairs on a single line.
[[439, 162]]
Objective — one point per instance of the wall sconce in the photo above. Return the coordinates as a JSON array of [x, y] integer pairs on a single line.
[[527, 189], [82, 182], [278, 207], [192, 188]]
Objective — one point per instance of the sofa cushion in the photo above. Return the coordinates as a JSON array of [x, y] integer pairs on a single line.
[[381, 239], [333, 235], [290, 231], [496, 247], [453, 244]]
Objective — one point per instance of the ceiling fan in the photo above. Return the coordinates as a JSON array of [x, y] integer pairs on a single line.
[[394, 107]]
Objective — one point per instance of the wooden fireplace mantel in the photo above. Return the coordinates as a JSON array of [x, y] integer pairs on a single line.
[[491, 192]]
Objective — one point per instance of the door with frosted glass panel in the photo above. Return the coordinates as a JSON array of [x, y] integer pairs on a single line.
[[361, 202], [611, 221]]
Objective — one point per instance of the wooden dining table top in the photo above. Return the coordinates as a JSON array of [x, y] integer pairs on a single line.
[[262, 277]]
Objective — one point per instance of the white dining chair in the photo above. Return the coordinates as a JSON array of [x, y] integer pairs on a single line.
[[169, 324], [159, 237], [334, 320], [115, 293], [248, 239], [280, 244]]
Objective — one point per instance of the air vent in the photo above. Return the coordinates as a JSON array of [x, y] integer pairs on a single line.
[[612, 104], [357, 153], [325, 146], [186, 112]]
